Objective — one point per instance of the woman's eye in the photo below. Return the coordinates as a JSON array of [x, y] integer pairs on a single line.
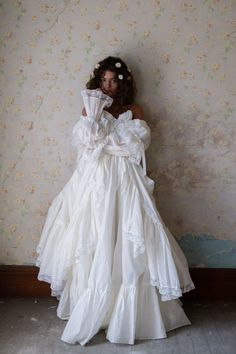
[[104, 80]]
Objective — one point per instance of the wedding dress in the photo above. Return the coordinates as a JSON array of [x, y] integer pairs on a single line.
[[110, 260]]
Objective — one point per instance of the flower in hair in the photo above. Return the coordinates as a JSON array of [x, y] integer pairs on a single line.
[[97, 66], [120, 77], [118, 64]]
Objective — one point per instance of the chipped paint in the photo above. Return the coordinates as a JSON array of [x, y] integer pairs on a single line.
[[207, 251]]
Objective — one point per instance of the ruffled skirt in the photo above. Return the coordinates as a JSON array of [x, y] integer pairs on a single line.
[[110, 260]]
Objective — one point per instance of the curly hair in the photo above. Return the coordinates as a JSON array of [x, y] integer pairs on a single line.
[[126, 84]]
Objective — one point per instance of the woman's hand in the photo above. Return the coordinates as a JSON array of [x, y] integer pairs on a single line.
[[84, 113]]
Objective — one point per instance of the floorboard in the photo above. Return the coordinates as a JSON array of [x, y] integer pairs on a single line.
[[30, 326]]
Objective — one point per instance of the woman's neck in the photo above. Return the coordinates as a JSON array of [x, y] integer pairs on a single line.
[[115, 109]]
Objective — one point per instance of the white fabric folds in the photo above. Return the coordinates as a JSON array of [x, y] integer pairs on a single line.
[[110, 260]]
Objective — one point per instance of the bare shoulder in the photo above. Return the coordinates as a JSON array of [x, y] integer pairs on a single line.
[[84, 113], [137, 111]]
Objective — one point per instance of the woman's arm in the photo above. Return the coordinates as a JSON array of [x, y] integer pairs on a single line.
[[137, 111]]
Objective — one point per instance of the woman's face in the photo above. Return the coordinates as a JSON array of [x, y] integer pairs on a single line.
[[109, 83]]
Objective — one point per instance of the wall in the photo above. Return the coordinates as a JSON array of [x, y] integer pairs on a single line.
[[182, 54]]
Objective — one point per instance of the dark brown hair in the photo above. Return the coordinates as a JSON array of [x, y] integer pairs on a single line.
[[126, 84]]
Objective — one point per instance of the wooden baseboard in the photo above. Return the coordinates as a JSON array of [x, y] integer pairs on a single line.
[[211, 283], [21, 281]]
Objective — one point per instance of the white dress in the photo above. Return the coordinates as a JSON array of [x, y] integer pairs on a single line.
[[110, 260]]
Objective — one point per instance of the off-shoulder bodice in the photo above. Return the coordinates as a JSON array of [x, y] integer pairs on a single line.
[[101, 133]]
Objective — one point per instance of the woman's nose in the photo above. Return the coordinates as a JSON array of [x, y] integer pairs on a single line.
[[107, 84]]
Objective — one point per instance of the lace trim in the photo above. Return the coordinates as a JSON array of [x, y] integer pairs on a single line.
[[168, 293], [84, 251], [56, 287], [138, 240], [97, 94]]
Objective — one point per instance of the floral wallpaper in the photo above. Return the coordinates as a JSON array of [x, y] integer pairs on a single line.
[[182, 54]]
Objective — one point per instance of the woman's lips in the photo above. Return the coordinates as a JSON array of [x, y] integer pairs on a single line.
[[107, 92]]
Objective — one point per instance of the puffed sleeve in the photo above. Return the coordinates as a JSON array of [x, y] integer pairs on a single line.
[[140, 129], [94, 102], [91, 131]]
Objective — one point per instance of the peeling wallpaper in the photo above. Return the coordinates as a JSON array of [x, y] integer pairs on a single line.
[[182, 54]]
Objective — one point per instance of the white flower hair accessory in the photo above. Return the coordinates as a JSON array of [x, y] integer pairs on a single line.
[[118, 64], [120, 77], [97, 66]]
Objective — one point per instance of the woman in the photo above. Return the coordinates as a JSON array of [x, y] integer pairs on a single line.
[[115, 79], [110, 260]]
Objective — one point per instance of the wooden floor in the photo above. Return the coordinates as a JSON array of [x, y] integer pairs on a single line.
[[30, 326]]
